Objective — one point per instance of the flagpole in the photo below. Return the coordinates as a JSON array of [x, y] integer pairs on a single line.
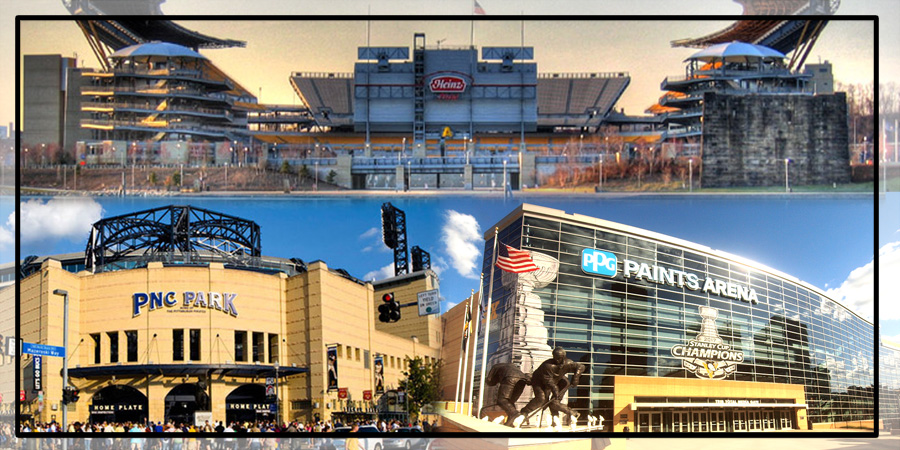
[[487, 323], [465, 362], [475, 338], [459, 372]]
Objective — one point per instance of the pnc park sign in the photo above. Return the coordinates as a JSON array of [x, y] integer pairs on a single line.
[[599, 262], [189, 301]]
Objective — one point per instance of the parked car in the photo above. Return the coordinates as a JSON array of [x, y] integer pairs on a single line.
[[405, 438], [368, 443]]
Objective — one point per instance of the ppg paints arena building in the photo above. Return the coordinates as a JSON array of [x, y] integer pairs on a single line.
[[676, 336], [174, 313]]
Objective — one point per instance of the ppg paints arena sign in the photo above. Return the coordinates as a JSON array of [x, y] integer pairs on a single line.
[[599, 262], [187, 302], [706, 356]]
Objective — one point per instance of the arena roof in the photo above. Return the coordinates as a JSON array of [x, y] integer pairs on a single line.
[[120, 33], [114, 7], [781, 34], [578, 99], [327, 95]]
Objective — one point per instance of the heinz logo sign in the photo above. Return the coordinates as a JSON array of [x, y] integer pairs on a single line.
[[448, 84], [598, 262]]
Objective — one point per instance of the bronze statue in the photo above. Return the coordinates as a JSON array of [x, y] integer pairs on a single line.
[[549, 383], [512, 382]]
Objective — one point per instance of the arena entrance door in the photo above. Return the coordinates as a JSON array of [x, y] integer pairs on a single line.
[[118, 404], [183, 401], [248, 403]]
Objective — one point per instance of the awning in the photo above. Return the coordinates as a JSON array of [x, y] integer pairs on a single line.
[[636, 406], [178, 370]]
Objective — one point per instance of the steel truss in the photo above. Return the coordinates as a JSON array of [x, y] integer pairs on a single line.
[[177, 234]]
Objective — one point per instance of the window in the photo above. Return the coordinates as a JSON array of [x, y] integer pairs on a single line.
[[113, 346], [195, 345], [131, 340], [96, 339], [259, 349], [357, 353], [177, 345], [240, 346], [365, 359], [349, 352], [273, 348]]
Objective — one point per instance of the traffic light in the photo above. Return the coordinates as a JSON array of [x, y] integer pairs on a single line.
[[389, 311], [70, 395]]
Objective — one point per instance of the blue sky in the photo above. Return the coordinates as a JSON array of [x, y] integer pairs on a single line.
[[825, 241]]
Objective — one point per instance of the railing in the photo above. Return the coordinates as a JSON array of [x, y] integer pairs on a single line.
[[580, 75], [159, 125], [152, 108], [342, 75]]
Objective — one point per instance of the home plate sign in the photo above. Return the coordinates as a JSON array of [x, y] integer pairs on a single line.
[[429, 302]]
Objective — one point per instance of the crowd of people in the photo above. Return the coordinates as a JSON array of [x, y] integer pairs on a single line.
[[182, 442]]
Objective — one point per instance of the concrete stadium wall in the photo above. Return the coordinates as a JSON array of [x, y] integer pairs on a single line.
[[746, 139]]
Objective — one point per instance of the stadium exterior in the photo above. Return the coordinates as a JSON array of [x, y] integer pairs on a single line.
[[161, 334], [676, 336]]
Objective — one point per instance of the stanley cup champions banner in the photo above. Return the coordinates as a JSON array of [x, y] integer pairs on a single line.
[[379, 374], [331, 352]]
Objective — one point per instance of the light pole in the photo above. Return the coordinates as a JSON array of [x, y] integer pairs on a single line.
[[277, 387], [600, 177], [65, 407], [580, 143], [691, 174], [787, 184], [316, 170]]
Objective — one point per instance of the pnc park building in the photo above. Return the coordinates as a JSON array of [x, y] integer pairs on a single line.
[[675, 336], [174, 314]]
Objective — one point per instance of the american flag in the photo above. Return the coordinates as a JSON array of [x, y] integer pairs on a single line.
[[478, 9], [515, 261]]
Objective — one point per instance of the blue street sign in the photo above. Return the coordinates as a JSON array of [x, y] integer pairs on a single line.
[[43, 350]]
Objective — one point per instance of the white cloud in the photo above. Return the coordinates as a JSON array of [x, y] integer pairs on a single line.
[[462, 240], [893, 339], [45, 223], [857, 291], [373, 241], [439, 265], [380, 274], [7, 232]]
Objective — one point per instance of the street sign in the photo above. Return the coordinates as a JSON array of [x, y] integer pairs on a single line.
[[37, 366], [43, 350], [429, 302], [11, 342]]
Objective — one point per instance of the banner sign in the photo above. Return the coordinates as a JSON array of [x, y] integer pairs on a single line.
[[708, 356], [331, 353], [379, 374], [342, 393], [38, 366], [270, 388], [367, 395]]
